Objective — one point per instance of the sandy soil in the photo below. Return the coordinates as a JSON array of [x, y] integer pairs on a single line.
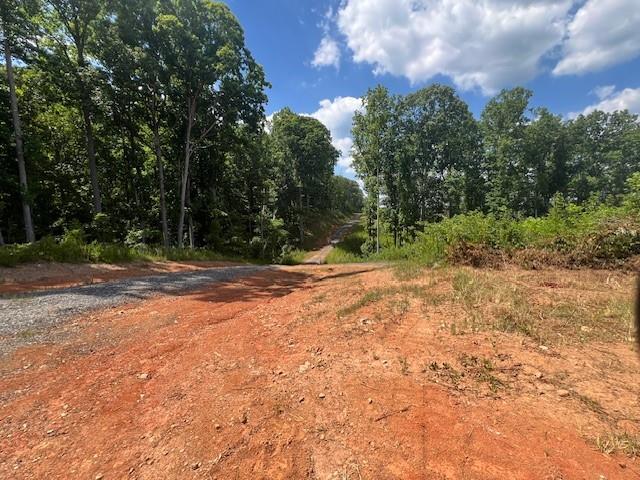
[[295, 374], [41, 276]]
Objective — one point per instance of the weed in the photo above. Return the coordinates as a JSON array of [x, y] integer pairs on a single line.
[[619, 442], [377, 294], [404, 365], [407, 270], [482, 370], [445, 371]]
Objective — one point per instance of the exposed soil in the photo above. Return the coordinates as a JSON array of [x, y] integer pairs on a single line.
[[327, 372], [41, 276]]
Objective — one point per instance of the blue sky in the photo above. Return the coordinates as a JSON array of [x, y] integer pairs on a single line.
[[322, 56]]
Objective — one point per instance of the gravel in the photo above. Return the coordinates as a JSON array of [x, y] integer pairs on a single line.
[[24, 317]]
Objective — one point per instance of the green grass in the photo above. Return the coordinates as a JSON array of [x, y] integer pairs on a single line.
[[349, 250], [72, 251], [294, 257]]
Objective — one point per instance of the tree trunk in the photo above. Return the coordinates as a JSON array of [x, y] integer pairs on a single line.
[[185, 172], [91, 154], [190, 231], [163, 205], [85, 106], [300, 224], [1, 239], [17, 128]]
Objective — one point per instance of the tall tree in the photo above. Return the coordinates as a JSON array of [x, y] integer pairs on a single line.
[[546, 161], [15, 24], [503, 123], [445, 142], [305, 159], [373, 153], [214, 72], [74, 20]]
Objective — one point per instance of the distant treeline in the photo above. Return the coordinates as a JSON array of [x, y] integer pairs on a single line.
[[424, 158], [142, 122]]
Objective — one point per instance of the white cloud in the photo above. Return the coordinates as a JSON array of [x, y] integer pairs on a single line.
[[612, 100], [337, 116], [604, 91], [327, 54], [602, 33], [478, 43]]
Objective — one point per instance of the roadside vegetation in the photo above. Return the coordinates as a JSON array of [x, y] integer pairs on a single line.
[[569, 235]]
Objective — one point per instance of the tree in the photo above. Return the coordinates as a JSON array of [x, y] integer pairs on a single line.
[[15, 25], [503, 123], [218, 79], [373, 155], [74, 20], [346, 196], [445, 151], [305, 160], [546, 161]]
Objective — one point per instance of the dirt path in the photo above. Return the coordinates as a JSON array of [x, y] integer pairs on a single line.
[[316, 372], [319, 257]]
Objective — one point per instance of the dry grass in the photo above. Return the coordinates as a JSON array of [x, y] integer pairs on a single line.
[[562, 316], [625, 443]]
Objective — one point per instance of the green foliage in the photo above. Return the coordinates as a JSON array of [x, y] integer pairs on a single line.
[[73, 249], [581, 235]]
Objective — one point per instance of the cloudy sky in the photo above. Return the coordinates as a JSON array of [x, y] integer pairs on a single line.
[[321, 56]]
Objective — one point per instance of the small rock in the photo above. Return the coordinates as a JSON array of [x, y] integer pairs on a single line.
[[370, 401], [195, 466], [304, 367], [218, 426], [321, 395], [143, 376], [99, 476], [585, 329], [544, 348], [563, 393], [301, 399], [322, 436]]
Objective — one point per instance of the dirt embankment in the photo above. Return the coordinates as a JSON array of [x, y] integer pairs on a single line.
[[335, 372]]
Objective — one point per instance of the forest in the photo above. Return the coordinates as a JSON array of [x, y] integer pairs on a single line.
[[141, 122], [517, 177]]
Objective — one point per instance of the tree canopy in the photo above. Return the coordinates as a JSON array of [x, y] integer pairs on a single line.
[[142, 121]]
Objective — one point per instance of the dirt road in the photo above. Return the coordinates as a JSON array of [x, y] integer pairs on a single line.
[[329, 373], [320, 256]]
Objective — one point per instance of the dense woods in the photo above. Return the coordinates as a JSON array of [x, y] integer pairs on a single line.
[[142, 122], [424, 158]]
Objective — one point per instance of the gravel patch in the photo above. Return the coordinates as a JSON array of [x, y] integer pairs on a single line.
[[24, 317]]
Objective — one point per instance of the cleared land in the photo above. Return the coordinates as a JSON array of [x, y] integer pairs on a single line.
[[353, 371]]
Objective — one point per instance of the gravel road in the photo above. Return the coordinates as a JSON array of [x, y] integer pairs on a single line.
[[25, 317]]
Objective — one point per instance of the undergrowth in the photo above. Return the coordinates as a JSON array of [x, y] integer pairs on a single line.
[[568, 236]]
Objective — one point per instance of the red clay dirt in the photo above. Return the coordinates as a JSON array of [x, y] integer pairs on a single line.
[[290, 375], [43, 276]]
